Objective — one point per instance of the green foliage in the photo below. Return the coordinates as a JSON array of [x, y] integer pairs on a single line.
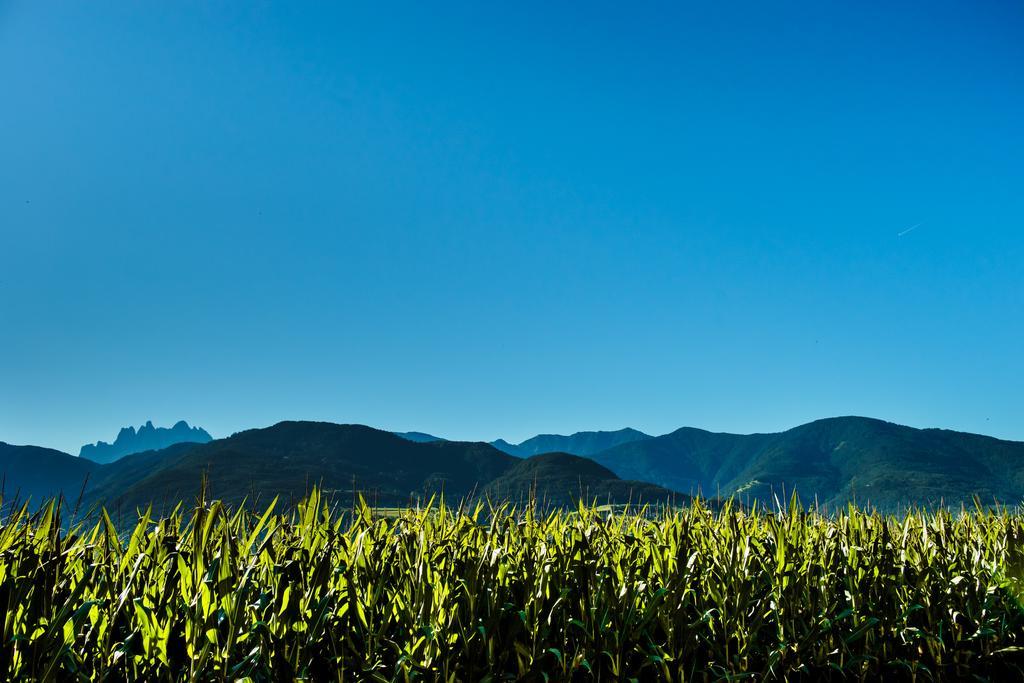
[[500, 594]]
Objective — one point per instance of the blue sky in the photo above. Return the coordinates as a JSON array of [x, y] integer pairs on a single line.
[[486, 221]]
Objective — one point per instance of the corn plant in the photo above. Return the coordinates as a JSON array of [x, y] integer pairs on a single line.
[[499, 593]]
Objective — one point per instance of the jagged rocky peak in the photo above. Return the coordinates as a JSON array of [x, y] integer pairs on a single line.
[[146, 438]]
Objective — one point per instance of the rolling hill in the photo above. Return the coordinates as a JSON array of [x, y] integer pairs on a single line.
[[580, 443], [562, 478], [836, 460], [31, 472], [289, 458]]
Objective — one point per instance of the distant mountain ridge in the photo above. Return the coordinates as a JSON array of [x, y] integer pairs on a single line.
[[833, 461], [580, 443], [146, 438], [289, 458]]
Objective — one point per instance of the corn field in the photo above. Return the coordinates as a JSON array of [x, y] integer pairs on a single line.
[[696, 594]]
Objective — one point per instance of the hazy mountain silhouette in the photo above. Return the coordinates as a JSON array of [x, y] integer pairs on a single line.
[[419, 437], [580, 443], [146, 438]]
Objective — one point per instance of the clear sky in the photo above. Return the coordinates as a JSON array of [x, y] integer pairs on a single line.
[[491, 221]]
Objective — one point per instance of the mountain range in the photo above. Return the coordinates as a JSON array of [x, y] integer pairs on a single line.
[[146, 438], [289, 458], [833, 461]]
